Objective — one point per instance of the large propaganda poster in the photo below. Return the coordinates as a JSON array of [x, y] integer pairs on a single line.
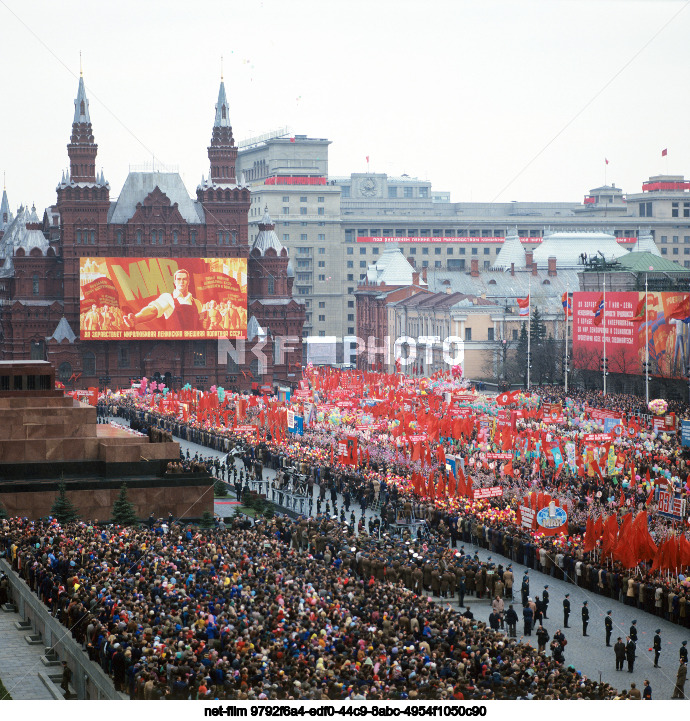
[[629, 318], [181, 298]]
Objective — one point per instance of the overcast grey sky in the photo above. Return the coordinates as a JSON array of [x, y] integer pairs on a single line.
[[465, 94]]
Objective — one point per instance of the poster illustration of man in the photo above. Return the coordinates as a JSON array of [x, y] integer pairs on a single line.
[[163, 298]]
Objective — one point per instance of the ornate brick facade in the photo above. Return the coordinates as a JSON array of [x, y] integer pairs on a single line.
[[153, 217]]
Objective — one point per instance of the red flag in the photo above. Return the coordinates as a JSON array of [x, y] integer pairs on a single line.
[[664, 152], [589, 539], [599, 311], [650, 497], [508, 469], [441, 455], [523, 305], [606, 160]]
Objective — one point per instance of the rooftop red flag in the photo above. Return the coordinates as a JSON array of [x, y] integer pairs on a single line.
[[523, 305], [664, 152]]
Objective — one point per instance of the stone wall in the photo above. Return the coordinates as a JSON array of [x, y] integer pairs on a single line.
[[183, 496]]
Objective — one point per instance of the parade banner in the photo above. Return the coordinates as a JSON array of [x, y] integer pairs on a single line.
[[628, 318], [685, 433], [171, 298], [491, 492], [671, 504], [347, 451]]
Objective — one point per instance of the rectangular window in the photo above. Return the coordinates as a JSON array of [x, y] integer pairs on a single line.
[[515, 334], [407, 192], [437, 251], [664, 251], [322, 277], [322, 264], [123, 356], [321, 236], [487, 264], [303, 199], [286, 199], [322, 318], [199, 354], [490, 334], [362, 250], [302, 211], [392, 191], [686, 210], [350, 277], [303, 290], [425, 251], [286, 236], [487, 251], [468, 333], [675, 238], [362, 263], [286, 210], [449, 251], [350, 251], [303, 236], [424, 192], [302, 251], [674, 210], [664, 238], [345, 191], [350, 304], [475, 251], [350, 330], [437, 264], [413, 251], [374, 251], [321, 211], [321, 199], [350, 317], [350, 264], [675, 251]]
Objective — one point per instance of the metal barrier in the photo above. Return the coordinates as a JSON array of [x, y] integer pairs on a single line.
[[88, 678]]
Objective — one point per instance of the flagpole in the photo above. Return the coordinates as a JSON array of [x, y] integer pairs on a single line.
[[603, 312], [567, 299], [646, 345], [529, 330]]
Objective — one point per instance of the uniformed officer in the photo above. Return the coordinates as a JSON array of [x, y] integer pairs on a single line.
[[656, 645], [608, 623], [566, 610], [545, 600], [684, 652], [633, 631], [585, 618]]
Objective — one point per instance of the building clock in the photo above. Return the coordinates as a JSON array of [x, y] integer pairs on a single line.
[[367, 187]]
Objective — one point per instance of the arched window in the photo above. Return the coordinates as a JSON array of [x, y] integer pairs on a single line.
[[139, 237], [38, 350], [119, 237], [64, 372], [36, 284], [93, 237], [271, 285], [222, 111], [175, 237], [82, 108], [88, 364], [78, 237]]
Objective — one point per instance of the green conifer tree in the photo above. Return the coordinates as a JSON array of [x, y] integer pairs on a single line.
[[63, 509], [123, 510]]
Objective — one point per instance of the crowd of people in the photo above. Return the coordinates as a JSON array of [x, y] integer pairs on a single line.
[[281, 609], [324, 607]]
